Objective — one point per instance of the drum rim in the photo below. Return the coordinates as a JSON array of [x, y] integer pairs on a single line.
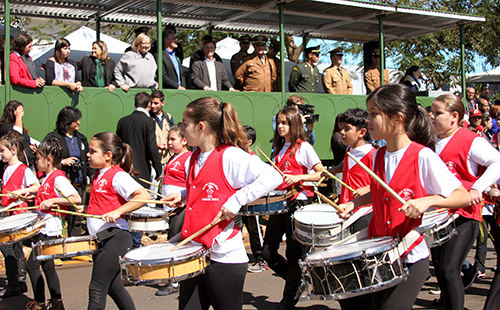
[[24, 225], [68, 240], [391, 244], [136, 213], [201, 252], [435, 224]]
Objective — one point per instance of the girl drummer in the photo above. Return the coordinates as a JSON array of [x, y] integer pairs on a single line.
[[475, 163], [110, 194], [295, 158], [48, 160], [222, 176], [20, 180], [412, 170]]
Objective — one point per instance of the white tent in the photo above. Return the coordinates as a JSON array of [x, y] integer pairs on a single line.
[[492, 76], [81, 45]]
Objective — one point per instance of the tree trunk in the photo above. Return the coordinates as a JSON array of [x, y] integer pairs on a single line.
[[293, 50]]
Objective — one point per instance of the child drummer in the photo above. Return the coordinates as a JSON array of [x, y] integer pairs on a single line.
[[413, 171], [222, 176]]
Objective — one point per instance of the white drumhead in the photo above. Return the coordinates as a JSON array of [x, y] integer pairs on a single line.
[[162, 251], [149, 212], [276, 193], [352, 250], [317, 214], [17, 221], [428, 221]]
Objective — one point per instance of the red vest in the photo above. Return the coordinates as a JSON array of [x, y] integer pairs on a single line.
[[386, 219], [455, 155], [289, 165], [175, 173], [103, 197], [355, 177], [206, 194], [15, 182], [47, 191], [495, 139]]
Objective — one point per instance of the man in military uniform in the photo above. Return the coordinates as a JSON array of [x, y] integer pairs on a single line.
[[336, 80], [274, 49], [305, 75], [237, 59], [257, 73], [372, 75]]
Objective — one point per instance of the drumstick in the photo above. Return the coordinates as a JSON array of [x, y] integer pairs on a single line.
[[379, 180], [155, 193], [158, 202], [26, 208], [320, 180], [173, 211], [196, 234], [17, 195], [12, 205], [331, 175], [146, 181], [271, 162], [434, 211], [76, 213], [333, 204], [66, 197]]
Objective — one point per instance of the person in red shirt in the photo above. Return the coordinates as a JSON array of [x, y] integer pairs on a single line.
[[111, 190], [413, 171], [22, 68]]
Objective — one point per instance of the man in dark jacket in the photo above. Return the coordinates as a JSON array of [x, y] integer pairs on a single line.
[[173, 77]]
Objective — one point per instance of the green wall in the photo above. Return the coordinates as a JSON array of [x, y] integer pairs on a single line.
[[101, 109]]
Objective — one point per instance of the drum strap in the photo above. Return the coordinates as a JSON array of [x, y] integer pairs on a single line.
[[410, 241], [108, 233]]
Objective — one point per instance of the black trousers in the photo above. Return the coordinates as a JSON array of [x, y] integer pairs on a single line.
[[488, 224], [106, 274], [493, 299], [175, 224], [75, 221], [254, 234], [448, 259], [288, 268], [12, 253], [49, 269], [403, 295], [221, 286]]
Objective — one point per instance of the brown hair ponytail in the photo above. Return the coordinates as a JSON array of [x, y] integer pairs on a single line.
[[221, 119], [122, 152]]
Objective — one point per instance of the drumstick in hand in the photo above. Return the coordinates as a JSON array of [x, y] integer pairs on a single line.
[[146, 181], [320, 180], [331, 175], [79, 214], [331, 203], [17, 195], [435, 211], [67, 198], [271, 162], [155, 193], [379, 180], [196, 234]]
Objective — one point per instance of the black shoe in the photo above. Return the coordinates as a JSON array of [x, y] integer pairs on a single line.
[[438, 302], [469, 277], [10, 291], [23, 287], [167, 290]]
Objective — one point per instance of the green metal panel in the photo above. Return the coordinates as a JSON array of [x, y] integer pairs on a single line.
[[101, 109]]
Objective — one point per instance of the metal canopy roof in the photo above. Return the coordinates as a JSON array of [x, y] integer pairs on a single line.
[[343, 20]]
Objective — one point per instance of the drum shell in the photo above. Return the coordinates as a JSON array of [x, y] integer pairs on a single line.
[[440, 232], [147, 221], [349, 277], [168, 270], [65, 247], [267, 205]]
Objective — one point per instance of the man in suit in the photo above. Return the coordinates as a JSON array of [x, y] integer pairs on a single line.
[[172, 66], [209, 74]]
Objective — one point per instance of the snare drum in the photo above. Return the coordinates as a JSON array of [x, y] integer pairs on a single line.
[[147, 219], [318, 225], [156, 263], [272, 203], [354, 269], [437, 228], [64, 247], [18, 227]]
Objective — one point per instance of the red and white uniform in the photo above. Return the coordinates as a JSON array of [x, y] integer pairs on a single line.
[[47, 190], [352, 174], [413, 172], [466, 155], [175, 174], [15, 181], [304, 159], [224, 177], [110, 189]]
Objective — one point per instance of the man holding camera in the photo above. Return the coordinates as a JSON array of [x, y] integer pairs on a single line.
[[308, 119], [305, 75]]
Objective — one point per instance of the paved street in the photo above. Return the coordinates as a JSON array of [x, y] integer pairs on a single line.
[[262, 291]]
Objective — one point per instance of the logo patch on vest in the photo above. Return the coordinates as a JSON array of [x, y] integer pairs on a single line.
[[210, 188], [286, 167], [406, 194], [45, 189], [100, 184], [175, 166], [452, 167]]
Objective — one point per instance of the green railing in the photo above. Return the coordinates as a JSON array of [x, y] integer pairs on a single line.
[[101, 109]]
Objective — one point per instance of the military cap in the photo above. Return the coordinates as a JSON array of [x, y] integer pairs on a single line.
[[313, 49], [336, 51], [259, 39], [245, 39]]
